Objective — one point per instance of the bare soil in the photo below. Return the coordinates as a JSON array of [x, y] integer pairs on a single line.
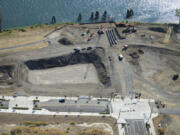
[[156, 65], [70, 123], [31, 34], [167, 124]]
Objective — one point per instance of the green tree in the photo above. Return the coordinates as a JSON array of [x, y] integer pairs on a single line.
[[178, 14], [0, 20]]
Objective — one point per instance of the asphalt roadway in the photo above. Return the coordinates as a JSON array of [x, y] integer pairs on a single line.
[[81, 105], [169, 111], [128, 76], [135, 127]]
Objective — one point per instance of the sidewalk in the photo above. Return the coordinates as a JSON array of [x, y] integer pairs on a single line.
[[120, 109]]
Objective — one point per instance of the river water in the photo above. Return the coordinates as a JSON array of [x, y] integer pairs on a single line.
[[17, 13]]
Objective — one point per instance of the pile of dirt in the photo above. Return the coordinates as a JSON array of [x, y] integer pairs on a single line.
[[96, 57], [134, 54], [65, 41]]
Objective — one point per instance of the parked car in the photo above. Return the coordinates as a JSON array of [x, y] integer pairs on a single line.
[[89, 48], [77, 49], [120, 57], [125, 47], [61, 100], [83, 49]]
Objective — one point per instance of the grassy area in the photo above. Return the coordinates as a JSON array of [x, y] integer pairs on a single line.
[[4, 107], [102, 99], [93, 132], [36, 131], [35, 101], [37, 108], [23, 29], [25, 35], [23, 130], [72, 123], [35, 124], [2, 99], [104, 112], [20, 108]]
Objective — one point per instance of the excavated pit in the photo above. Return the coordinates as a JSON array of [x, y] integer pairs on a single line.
[[6, 73], [12, 75], [95, 57]]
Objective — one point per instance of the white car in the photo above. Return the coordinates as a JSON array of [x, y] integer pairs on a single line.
[[120, 57], [77, 49]]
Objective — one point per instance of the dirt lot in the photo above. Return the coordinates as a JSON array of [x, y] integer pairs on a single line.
[[167, 124], [156, 65], [69, 124], [153, 55], [154, 62], [82, 73]]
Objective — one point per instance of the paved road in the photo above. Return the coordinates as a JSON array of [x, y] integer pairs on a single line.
[[121, 74], [135, 127], [81, 105], [169, 111], [154, 109], [116, 72], [128, 77]]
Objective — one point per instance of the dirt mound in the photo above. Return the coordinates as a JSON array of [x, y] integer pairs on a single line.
[[134, 55], [96, 57], [65, 41]]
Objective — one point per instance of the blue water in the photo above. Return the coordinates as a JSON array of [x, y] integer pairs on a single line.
[[17, 13]]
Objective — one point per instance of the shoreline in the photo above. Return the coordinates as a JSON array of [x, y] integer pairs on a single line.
[[72, 23]]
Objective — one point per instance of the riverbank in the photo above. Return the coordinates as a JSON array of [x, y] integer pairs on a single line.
[[17, 39]]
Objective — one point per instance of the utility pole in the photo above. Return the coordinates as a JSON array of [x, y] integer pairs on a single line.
[[0, 19]]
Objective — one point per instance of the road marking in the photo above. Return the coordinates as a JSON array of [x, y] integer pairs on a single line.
[[143, 127], [127, 130], [138, 126]]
